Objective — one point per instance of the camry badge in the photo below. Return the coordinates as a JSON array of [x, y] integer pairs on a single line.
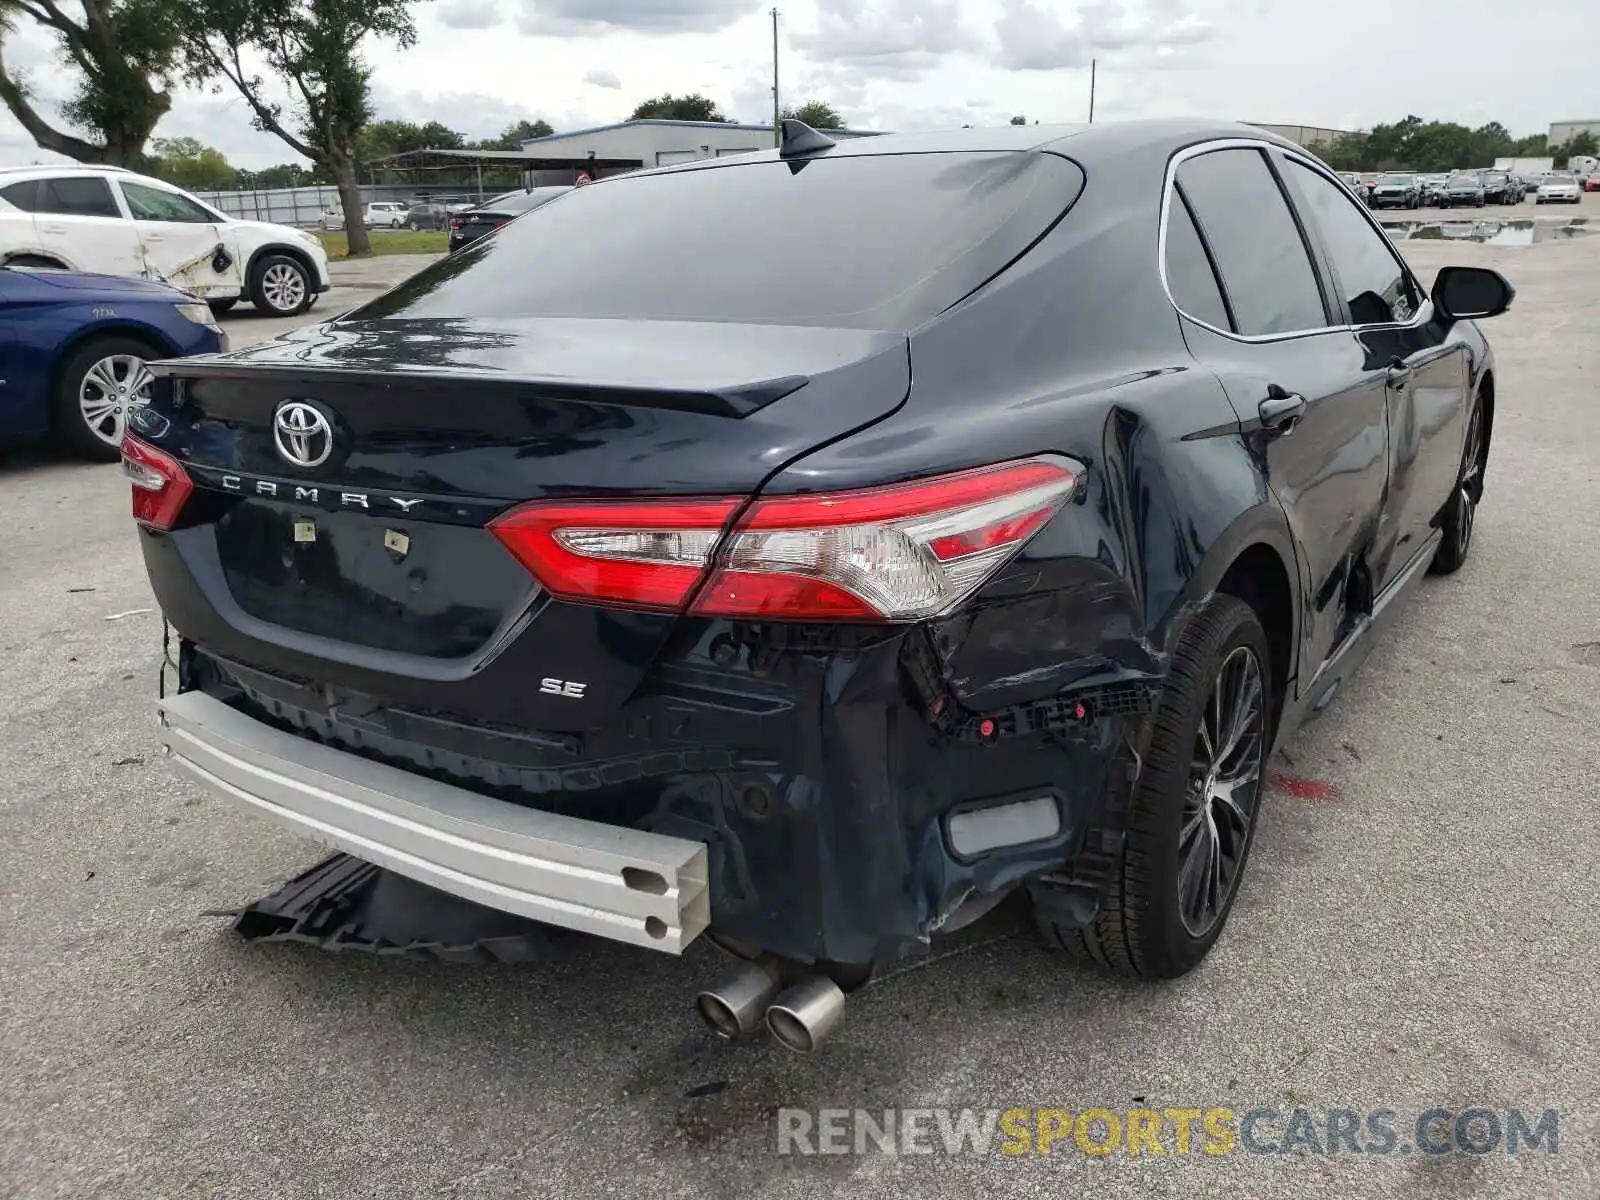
[[303, 436]]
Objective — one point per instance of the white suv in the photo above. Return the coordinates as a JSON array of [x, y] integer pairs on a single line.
[[111, 221], [387, 213]]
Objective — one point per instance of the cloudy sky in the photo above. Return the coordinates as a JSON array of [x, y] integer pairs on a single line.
[[921, 64]]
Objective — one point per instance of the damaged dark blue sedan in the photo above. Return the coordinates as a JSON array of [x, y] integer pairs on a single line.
[[808, 550]]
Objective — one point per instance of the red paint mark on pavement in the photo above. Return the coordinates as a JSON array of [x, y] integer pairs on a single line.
[[1301, 788]]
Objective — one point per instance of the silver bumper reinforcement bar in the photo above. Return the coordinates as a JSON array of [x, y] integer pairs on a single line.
[[624, 884]]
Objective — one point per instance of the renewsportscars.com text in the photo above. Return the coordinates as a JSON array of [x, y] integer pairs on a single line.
[[1177, 1131]]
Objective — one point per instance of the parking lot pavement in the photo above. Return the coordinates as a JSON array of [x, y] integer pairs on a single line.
[[1418, 928]]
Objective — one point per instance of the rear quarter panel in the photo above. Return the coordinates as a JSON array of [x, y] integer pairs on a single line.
[[1077, 351]]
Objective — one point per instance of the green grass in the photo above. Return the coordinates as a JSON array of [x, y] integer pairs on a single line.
[[390, 241]]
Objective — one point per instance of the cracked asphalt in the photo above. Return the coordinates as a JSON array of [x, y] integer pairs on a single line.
[[1417, 928]]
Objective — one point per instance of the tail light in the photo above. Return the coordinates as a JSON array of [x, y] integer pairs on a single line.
[[161, 486], [455, 224], [896, 553]]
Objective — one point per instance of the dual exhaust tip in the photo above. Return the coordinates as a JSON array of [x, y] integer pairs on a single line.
[[800, 1016]]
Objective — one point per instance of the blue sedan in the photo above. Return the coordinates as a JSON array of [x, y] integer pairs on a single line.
[[73, 350]]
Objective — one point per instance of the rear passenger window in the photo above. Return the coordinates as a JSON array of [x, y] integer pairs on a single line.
[[84, 196], [1189, 275], [1376, 287], [1265, 267], [21, 195]]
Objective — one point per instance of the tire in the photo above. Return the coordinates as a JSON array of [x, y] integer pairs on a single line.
[[413, 226], [1142, 929], [105, 374], [280, 286], [223, 306], [1460, 511]]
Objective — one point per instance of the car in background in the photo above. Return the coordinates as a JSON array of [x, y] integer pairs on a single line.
[[1591, 183], [1396, 190], [1430, 185], [791, 580], [428, 216], [1498, 188], [388, 214], [111, 221], [1462, 190], [470, 225], [76, 353], [1556, 188], [331, 218]]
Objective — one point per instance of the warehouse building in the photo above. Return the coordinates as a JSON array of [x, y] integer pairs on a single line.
[[658, 143], [1304, 135], [1562, 132]]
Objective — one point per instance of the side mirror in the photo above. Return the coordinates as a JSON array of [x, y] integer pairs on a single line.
[[1471, 293]]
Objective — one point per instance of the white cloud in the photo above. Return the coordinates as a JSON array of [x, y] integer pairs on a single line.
[[582, 18], [890, 39], [470, 14], [600, 77], [1034, 38]]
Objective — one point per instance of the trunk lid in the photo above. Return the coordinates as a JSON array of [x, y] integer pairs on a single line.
[[369, 566]]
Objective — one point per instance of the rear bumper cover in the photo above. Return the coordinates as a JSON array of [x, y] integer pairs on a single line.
[[624, 884]]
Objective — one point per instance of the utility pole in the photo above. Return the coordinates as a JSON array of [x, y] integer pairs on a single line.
[[1092, 63], [777, 126]]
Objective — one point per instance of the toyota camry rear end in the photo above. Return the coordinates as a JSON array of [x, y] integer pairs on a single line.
[[721, 551]]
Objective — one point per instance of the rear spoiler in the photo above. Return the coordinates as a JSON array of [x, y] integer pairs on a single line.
[[731, 400]]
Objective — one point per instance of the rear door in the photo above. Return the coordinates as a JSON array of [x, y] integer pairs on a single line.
[[77, 219], [179, 238], [1425, 373], [1311, 406]]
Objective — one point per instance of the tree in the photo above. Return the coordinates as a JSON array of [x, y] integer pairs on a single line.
[[313, 46], [693, 107], [817, 114], [1418, 145], [1580, 143], [512, 136], [1019, 120], [190, 164], [123, 54]]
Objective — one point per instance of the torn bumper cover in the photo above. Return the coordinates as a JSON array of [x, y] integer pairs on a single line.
[[823, 800], [622, 884]]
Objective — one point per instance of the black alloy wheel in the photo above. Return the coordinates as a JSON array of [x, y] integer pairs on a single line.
[[1224, 790], [1193, 813]]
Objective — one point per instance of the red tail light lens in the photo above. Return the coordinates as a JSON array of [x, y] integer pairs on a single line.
[[894, 553], [161, 486]]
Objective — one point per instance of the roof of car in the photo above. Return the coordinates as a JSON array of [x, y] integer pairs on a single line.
[[1084, 142]]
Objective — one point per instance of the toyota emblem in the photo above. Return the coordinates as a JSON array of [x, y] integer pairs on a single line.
[[303, 435]]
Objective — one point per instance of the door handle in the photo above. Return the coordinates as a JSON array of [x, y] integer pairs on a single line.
[[1399, 374], [54, 228], [1281, 410], [154, 237]]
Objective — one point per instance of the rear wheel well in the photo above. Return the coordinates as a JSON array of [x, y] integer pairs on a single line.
[[299, 256], [36, 260], [1259, 578]]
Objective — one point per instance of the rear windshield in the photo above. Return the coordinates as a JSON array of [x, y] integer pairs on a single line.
[[858, 241]]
